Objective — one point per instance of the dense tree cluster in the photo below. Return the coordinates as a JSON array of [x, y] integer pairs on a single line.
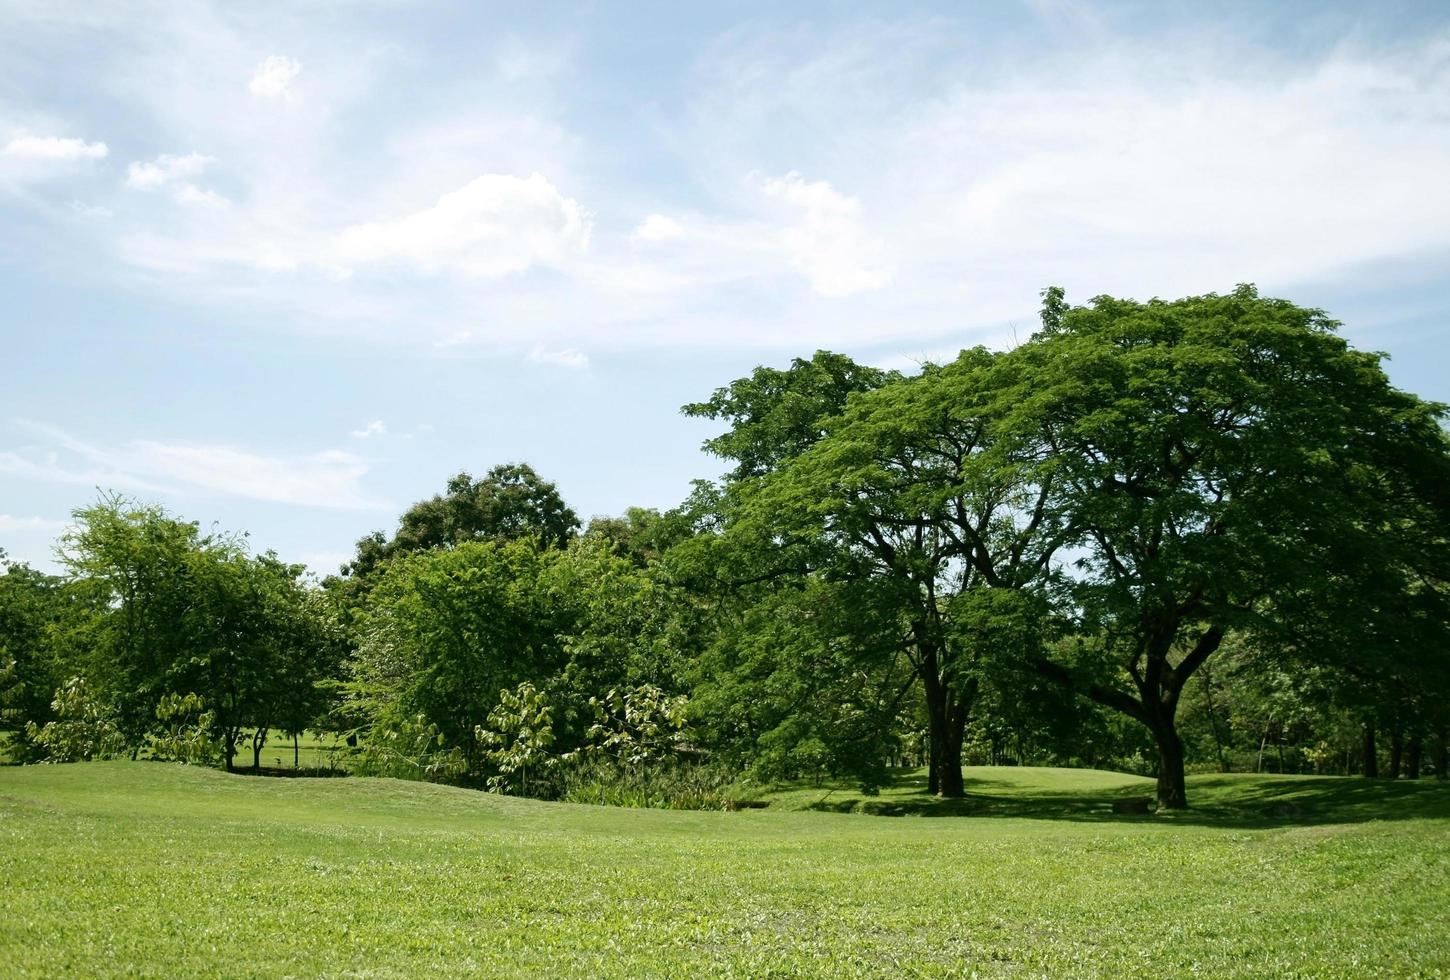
[[1154, 535]]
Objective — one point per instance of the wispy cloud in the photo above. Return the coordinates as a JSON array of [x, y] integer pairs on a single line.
[[371, 430], [825, 239], [54, 148], [330, 478], [893, 181], [166, 170], [9, 523], [568, 357]]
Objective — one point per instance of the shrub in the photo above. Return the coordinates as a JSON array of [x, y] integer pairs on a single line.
[[410, 748], [669, 786], [188, 733], [84, 727]]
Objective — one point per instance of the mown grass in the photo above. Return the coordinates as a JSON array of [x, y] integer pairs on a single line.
[[161, 870]]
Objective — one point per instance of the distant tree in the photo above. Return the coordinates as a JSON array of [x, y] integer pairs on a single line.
[[190, 613], [511, 503], [41, 618]]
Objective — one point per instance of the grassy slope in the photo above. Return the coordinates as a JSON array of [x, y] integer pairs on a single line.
[[155, 869]]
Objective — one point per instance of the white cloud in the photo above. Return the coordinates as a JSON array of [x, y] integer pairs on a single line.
[[90, 212], [54, 148], [657, 228], [273, 77], [331, 478], [326, 479], [568, 357], [10, 524], [165, 171], [373, 428], [494, 225], [826, 241], [194, 196], [936, 176]]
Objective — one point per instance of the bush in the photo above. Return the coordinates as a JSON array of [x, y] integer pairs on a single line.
[[189, 732], [410, 749], [602, 781], [84, 729]]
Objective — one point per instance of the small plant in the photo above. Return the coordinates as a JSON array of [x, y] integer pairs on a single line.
[[640, 726], [188, 731], [517, 738], [410, 749], [602, 781], [84, 727]]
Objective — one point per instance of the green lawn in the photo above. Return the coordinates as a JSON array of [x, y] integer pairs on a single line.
[[161, 870]]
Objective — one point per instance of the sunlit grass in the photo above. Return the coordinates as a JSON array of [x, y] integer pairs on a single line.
[[160, 870]]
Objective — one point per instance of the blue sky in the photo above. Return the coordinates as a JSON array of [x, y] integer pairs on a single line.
[[285, 267]]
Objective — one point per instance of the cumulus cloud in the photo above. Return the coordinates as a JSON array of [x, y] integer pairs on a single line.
[[166, 170], [373, 428], [568, 357], [54, 148], [494, 225], [274, 76], [826, 240], [657, 228], [330, 478]]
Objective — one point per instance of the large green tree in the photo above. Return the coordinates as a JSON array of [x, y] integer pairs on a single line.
[[1218, 459], [910, 488]]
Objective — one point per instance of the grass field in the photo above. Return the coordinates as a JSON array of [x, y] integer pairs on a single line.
[[160, 870]]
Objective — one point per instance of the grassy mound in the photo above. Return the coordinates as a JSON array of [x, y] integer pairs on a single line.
[[159, 870]]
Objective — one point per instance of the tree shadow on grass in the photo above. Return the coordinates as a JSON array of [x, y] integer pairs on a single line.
[[1235, 800]]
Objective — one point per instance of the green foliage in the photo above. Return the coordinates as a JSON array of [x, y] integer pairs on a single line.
[[510, 503], [409, 748], [188, 731], [194, 613], [84, 727], [517, 738], [665, 785], [776, 415], [446, 630], [44, 621], [641, 726]]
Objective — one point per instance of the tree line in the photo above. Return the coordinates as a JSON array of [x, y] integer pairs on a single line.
[[1154, 535]]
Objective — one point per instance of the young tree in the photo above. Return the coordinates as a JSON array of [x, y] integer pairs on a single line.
[[446, 630]]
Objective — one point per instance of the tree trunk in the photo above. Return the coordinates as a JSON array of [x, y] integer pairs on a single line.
[[945, 778], [1442, 754], [1371, 753], [229, 750], [1397, 751], [953, 786], [259, 739], [1172, 792], [1414, 755], [296, 751], [1223, 765]]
